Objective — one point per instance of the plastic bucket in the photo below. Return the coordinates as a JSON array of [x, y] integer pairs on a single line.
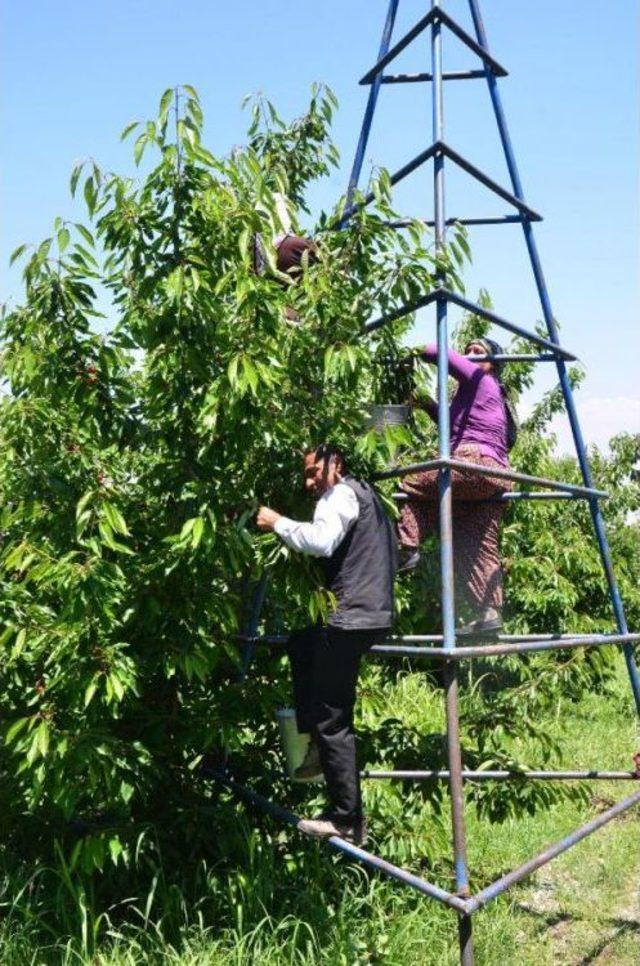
[[294, 743], [387, 415]]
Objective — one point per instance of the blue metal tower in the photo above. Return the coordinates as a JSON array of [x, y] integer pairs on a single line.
[[443, 647]]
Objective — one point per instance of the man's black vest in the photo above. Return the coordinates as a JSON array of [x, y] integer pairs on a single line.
[[360, 572]]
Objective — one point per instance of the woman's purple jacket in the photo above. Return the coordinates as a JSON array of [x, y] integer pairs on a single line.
[[478, 414]]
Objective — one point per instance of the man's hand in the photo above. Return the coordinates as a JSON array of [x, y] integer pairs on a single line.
[[267, 518]]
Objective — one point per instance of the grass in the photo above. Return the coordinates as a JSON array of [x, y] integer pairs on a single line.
[[280, 900]]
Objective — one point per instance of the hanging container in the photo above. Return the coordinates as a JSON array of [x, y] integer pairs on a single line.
[[389, 414], [294, 743]]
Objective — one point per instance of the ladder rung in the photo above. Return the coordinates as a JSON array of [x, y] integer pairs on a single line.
[[449, 296], [511, 878], [472, 44], [490, 316], [511, 475], [513, 497], [515, 357], [535, 495], [488, 182], [433, 638], [353, 851], [434, 16], [498, 650], [503, 357], [525, 478], [505, 638], [470, 222], [439, 149], [425, 76], [497, 775]]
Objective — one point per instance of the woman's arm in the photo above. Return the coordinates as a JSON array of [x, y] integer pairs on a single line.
[[459, 367], [428, 405]]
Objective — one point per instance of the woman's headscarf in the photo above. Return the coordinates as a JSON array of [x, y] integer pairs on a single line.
[[492, 348]]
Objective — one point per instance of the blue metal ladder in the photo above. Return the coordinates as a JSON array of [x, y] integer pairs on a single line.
[[436, 21], [443, 647]]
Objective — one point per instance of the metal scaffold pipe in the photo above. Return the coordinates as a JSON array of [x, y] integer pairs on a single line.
[[445, 647], [552, 329], [456, 785]]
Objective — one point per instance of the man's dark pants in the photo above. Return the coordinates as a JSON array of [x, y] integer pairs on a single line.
[[325, 662]]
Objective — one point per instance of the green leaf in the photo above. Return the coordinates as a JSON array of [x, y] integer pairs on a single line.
[[42, 738], [203, 155], [90, 194], [195, 111], [165, 105], [63, 239], [106, 533], [86, 234], [461, 238], [115, 849], [15, 728], [19, 643], [83, 502], [128, 129], [139, 146], [17, 252], [250, 373], [187, 528], [197, 531], [75, 175], [115, 518], [232, 370], [90, 691]]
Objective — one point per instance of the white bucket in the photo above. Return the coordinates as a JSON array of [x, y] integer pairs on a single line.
[[294, 744], [393, 414]]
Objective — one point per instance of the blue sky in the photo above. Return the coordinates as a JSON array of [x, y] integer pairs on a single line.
[[75, 73]]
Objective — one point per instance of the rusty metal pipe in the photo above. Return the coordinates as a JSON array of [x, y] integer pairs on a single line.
[[511, 878], [496, 775], [352, 851]]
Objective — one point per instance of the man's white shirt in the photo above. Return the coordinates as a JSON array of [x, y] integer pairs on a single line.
[[336, 512]]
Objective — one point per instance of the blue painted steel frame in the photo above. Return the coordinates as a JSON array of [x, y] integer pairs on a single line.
[[449, 654], [371, 106], [454, 753], [439, 151], [545, 301]]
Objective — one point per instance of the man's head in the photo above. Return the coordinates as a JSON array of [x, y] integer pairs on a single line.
[[323, 467]]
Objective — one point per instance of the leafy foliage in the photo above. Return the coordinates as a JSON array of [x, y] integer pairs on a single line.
[[134, 461]]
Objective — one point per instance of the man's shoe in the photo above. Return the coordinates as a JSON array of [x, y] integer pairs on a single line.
[[409, 559], [310, 770], [324, 827], [483, 627]]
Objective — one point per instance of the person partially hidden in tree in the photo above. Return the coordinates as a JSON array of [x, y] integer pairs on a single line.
[[483, 430], [293, 253], [355, 541]]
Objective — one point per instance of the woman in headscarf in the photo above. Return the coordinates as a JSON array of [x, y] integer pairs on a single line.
[[483, 429]]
